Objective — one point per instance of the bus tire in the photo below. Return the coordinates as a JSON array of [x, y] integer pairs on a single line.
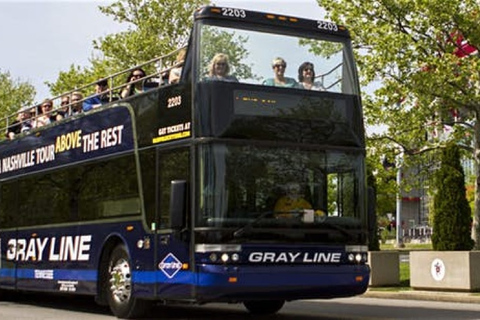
[[119, 288], [263, 307]]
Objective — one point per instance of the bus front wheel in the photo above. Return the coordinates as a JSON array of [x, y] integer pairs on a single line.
[[264, 307], [118, 287]]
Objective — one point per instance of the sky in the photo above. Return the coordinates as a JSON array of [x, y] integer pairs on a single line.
[[41, 38]]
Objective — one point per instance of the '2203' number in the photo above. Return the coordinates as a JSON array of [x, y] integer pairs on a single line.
[[237, 13], [174, 101], [330, 26]]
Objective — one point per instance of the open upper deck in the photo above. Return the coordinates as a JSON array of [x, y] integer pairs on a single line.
[[247, 103]]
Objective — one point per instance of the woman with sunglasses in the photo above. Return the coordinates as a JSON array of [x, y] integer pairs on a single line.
[[219, 69], [136, 87], [306, 77], [46, 114], [279, 80]]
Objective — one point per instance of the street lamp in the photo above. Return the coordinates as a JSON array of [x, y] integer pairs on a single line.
[[399, 237]]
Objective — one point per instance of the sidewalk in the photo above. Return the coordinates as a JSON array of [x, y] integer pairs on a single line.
[[463, 297]]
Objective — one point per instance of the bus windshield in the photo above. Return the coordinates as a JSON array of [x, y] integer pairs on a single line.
[[277, 187], [252, 56]]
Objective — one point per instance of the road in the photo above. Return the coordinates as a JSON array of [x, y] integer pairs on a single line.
[[44, 307]]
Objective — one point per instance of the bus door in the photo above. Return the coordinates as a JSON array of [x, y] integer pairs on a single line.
[[174, 278]]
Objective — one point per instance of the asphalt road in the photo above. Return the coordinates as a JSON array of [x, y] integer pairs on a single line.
[[44, 307]]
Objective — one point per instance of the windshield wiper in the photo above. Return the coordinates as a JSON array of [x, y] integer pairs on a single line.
[[239, 232], [248, 226], [350, 234]]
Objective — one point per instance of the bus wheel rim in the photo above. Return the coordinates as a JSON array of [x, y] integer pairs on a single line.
[[120, 281]]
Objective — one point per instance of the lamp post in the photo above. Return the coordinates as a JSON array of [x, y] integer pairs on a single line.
[[398, 217]]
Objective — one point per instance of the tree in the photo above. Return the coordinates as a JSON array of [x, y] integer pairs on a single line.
[[14, 94], [159, 26], [412, 49], [451, 216], [155, 28], [373, 244], [231, 45]]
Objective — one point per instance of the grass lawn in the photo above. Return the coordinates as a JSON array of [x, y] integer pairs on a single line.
[[404, 274], [408, 246]]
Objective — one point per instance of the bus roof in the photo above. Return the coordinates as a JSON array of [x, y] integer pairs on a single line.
[[277, 20]]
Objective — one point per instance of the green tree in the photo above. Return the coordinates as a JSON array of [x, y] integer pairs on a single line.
[[215, 39], [154, 28], [14, 94], [412, 49], [452, 215]]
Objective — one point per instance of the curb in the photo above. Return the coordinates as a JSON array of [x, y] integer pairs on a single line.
[[462, 297]]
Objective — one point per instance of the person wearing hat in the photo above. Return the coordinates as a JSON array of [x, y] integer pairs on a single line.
[[23, 123], [100, 97]]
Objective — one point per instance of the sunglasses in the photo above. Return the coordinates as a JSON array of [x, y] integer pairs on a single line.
[[221, 64], [138, 75], [279, 65], [46, 106], [64, 103]]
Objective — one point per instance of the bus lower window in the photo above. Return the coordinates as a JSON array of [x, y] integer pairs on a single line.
[[76, 193]]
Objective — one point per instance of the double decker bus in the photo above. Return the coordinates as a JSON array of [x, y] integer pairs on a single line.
[[172, 194]]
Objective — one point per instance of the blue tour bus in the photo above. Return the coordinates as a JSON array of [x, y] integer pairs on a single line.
[[172, 195]]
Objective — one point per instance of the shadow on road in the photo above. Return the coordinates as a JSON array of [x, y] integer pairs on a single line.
[[217, 311], [345, 309]]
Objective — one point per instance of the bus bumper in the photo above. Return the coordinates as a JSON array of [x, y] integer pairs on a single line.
[[240, 283]]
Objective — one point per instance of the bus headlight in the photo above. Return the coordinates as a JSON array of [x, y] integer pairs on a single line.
[[225, 257], [358, 257], [218, 253], [356, 254]]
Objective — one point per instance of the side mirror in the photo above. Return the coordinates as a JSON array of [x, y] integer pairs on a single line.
[[178, 204]]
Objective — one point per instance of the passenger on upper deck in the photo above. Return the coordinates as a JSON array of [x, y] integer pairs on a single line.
[[23, 123], [46, 115], [63, 109], [306, 77], [134, 88], [176, 72], [279, 65], [76, 101], [219, 69], [101, 96]]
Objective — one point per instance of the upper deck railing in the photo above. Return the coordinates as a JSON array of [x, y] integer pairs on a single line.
[[162, 66]]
